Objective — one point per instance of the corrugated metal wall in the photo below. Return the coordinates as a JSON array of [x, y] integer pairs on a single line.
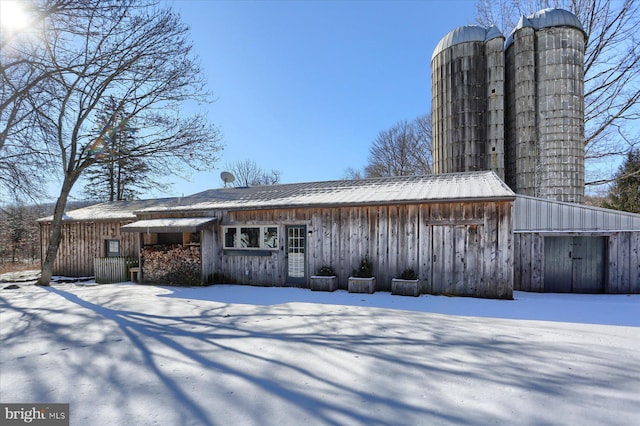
[[535, 214]]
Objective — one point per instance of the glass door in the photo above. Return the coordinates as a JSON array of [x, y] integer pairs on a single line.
[[296, 254]]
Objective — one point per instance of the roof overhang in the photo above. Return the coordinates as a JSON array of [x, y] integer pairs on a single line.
[[166, 225]]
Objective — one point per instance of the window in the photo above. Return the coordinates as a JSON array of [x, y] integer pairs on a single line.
[[270, 237], [112, 248], [251, 237]]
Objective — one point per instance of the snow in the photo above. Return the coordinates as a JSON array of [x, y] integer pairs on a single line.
[[127, 354]]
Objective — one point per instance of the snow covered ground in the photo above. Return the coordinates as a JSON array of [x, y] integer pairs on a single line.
[[126, 354]]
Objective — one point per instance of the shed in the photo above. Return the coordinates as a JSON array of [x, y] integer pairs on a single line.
[[566, 247], [454, 230], [94, 231]]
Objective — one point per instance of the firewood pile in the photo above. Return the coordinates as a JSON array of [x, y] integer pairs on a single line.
[[172, 265]]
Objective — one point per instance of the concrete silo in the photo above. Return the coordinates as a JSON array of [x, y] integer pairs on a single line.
[[544, 103], [467, 108]]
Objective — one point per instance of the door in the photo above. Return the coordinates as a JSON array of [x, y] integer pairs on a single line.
[[558, 267], [588, 259], [456, 262], [296, 254], [574, 264]]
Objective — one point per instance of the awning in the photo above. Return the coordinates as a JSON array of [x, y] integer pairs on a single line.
[[164, 225]]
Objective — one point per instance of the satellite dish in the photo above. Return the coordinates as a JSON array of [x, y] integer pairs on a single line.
[[227, 178]]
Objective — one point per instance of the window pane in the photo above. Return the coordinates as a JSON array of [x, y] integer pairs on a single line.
[[271, 237], [250, 237], [230, 237], [112, 248]]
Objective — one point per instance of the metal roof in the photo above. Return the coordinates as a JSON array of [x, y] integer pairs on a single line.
[[464, 34], [539, 215], [111, 210], [402, 189], [183, 224], [546, 18], [468, 186]]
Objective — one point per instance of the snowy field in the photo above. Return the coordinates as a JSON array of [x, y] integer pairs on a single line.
[[127, 354]]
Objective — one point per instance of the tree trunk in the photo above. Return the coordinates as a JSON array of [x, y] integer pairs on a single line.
[[55, 235]]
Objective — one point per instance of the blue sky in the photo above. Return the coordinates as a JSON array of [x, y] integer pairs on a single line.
[[304, 87]]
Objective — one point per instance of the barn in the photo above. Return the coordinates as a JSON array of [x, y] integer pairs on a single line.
[[570, 248], [455, 230]]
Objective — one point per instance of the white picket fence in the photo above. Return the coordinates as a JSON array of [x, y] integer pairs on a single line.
[[112, 269]]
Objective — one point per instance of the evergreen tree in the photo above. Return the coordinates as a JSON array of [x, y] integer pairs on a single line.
[[117, 174], [625, 191]]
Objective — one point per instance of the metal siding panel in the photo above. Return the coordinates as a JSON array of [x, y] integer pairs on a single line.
[[533, 214]]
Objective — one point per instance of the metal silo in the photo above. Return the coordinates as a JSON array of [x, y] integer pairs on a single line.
[[544, 102], [467, 72]]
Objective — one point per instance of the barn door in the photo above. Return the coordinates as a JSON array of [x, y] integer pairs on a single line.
[[574, 264], [558, 266], [588, 259], [296, 254], [455, 259]]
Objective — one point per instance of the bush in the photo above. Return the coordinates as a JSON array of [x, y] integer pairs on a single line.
[[409, 274], [365, 270], [325, 271]]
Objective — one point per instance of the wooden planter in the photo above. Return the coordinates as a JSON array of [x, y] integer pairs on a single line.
[[324, 283], [405, 287], [362, 285]]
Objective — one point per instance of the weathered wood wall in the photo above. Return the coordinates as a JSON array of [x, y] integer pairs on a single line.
[[623, 261], [82, 241], [456, 248], [528, 254]]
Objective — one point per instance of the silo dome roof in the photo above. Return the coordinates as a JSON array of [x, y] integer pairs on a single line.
[[547, 18], [467, 33]]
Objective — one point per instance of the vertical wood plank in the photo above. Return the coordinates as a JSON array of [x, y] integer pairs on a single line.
[[425, 250], [634, 262], [612, 284]]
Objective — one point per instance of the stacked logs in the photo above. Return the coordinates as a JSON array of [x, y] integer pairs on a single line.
[[176, 265]]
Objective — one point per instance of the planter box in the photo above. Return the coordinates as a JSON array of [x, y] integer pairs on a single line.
[[362, 285], [324, 283], [405, 287]]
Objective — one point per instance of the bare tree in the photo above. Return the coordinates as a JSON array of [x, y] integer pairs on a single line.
[[248, 173], [352, 174], [422, 125], [611, 69], [136, 51], [23, 73], [402, 150]]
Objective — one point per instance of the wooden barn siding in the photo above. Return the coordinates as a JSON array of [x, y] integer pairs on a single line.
[[82, 241], [529, 262], [624, 263], [394, 237], [623, 271]]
